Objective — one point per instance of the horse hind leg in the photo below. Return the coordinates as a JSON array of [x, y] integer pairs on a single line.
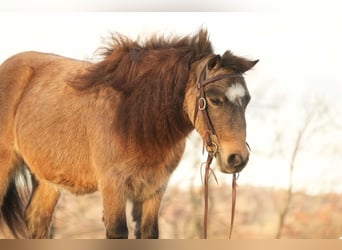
[[40, 210], [34, 222]]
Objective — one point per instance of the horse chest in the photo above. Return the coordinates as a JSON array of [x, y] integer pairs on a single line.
[[145, 182], [143, 172]]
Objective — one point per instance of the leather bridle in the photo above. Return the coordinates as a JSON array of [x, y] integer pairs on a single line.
[[211, 146], [201, 104]]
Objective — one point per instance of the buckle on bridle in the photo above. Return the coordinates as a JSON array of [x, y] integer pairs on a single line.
[[212, 149]]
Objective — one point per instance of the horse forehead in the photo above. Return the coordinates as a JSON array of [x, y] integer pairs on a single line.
[[235, 92]]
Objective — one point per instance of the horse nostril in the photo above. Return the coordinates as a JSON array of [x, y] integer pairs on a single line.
[[235, 161]]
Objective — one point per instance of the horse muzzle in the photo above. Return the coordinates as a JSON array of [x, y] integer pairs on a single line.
[[234, 163]]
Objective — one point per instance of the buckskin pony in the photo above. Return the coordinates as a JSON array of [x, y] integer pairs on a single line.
[[118, 126]]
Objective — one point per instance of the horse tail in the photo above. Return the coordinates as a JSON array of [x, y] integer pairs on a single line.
[[15, 202]]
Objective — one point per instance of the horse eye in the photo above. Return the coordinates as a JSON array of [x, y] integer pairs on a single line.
[[216, 101]]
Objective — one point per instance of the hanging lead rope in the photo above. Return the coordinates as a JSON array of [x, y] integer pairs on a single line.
[[206, 196], [232, 215]]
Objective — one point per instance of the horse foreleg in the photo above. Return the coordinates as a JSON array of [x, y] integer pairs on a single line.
[[136, 214], [114, 212], [149, 217], [39, 212]]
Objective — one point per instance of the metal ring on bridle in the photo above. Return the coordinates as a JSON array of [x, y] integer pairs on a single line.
[[202, 103]]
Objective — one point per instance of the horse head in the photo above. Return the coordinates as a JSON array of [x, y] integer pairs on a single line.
[[216, 101]]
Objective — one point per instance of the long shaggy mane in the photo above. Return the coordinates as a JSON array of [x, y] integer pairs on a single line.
[[150, 77], [126, 63]]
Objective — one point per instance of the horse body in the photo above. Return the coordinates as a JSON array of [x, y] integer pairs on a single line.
[[69, 127], [118, 126]]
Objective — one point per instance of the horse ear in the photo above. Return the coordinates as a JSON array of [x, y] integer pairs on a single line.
[[214, 62], [249, 64], [238, 64]]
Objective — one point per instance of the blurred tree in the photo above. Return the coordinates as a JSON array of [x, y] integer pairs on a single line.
[[312, 119]]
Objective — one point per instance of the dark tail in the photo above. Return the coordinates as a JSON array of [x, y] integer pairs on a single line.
[[15, 202]]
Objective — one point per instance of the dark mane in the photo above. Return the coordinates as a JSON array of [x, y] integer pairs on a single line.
[[127, 63], [151, 77]]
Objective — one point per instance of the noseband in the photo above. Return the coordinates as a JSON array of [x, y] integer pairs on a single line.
[[211, 147]]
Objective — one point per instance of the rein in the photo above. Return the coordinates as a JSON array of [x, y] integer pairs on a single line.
[[211, 147]]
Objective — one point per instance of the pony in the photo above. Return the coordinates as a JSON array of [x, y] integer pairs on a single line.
[[117, 126]]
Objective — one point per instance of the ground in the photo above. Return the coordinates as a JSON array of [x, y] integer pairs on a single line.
[[181, 215]]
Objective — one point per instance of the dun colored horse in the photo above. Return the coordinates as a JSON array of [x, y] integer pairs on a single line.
[[118, 126]]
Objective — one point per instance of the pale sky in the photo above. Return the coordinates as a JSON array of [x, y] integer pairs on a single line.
[[300, 56], [170, 5]]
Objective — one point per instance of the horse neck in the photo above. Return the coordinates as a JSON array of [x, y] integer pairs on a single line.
[[152, 118]]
